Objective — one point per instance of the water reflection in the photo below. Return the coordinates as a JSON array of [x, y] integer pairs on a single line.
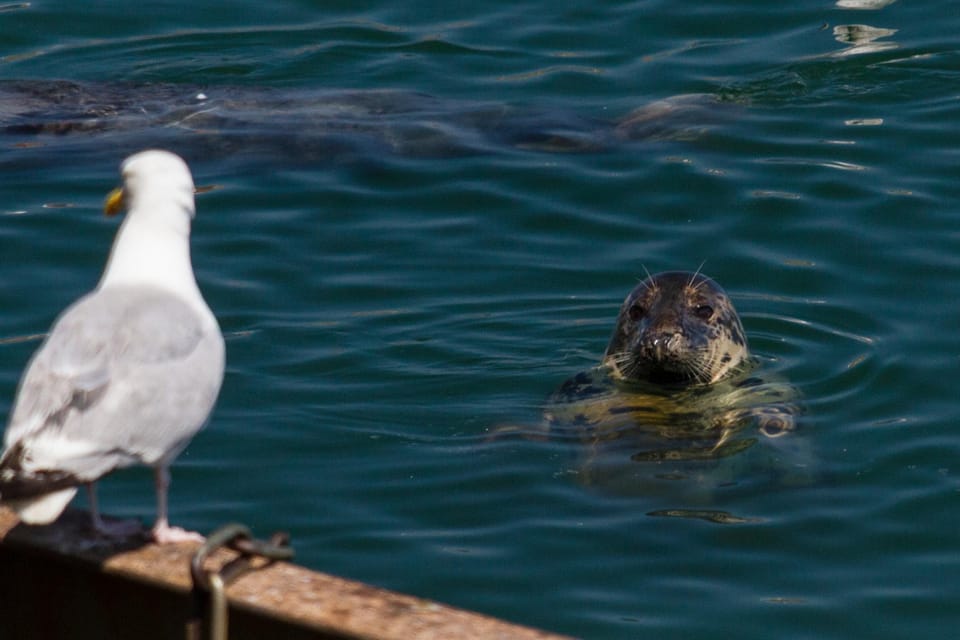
[[862, 39], [864, 4], [716, 517]]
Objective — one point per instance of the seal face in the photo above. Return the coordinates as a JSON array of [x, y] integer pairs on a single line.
[[676, 390], [676, 328]]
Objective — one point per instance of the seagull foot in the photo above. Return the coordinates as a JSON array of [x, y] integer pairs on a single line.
[[174, 535]]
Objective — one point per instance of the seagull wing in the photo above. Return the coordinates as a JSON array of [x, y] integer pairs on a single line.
[[127, 375]]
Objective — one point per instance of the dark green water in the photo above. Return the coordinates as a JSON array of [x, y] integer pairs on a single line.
[[399, 275]]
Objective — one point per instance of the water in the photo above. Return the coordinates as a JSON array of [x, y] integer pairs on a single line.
[[388, 304]]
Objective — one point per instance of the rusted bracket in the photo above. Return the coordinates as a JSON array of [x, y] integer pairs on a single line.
[[210, 609]]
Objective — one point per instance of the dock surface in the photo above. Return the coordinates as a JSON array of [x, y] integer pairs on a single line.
[[58, 581]]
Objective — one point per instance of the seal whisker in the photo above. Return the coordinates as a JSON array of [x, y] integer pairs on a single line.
[[623, 363], [646, 271], [696, 273]]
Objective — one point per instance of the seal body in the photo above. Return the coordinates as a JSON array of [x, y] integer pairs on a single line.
[[677, 390]]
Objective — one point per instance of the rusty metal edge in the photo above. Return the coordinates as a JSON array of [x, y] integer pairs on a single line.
[[282, 599]]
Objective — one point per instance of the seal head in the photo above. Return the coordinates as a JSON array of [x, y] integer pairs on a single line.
[[676, 328]]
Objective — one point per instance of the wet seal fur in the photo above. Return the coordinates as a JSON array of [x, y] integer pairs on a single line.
[[677, 386]]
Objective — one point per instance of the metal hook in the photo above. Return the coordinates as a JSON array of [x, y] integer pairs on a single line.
[[213, 583]]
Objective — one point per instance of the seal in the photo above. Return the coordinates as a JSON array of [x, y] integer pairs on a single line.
[[677, 384], [307, 125]]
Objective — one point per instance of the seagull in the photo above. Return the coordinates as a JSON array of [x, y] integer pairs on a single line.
[[128, 373]]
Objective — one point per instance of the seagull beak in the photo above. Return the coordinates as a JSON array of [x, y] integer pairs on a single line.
[[114, 202]]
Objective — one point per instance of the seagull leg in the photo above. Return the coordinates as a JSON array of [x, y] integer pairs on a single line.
[[116, 529], [95, 520], [162, 532]]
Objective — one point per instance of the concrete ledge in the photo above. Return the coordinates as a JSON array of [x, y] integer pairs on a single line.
[[57, 581]]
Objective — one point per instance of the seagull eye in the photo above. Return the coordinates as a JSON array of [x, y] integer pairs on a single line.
[[636, 312], [703, 311]]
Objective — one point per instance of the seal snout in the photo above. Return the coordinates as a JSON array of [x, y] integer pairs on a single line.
[[662, 345]]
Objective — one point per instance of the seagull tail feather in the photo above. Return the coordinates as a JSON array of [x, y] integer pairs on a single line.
[[37, 496]]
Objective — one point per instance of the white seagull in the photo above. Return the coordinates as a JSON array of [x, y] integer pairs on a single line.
[[129, 372]]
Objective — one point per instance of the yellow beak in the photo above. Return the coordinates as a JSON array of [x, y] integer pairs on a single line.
[[114, 202]]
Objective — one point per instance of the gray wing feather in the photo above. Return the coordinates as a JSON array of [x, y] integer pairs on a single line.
[[126, 375]]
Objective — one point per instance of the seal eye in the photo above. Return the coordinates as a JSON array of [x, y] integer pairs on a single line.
[[703, 311], [636, 312]]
